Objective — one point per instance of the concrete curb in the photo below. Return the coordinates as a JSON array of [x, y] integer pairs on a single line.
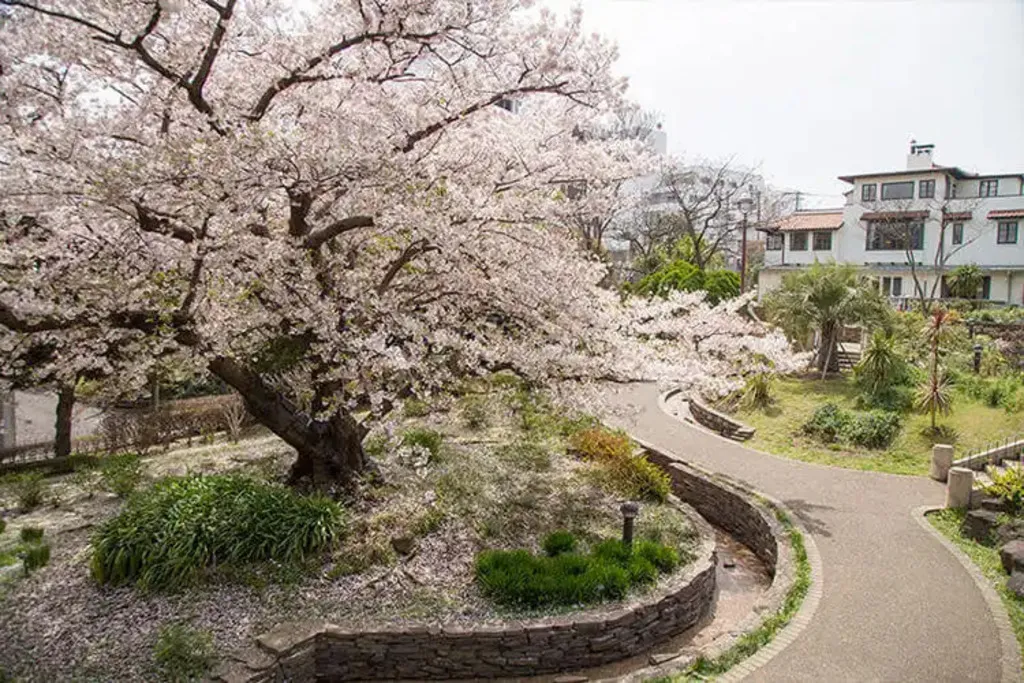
[[1010, 659], [803, 617]]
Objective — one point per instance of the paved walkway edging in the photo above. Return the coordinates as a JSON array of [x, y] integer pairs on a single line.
[[1008, 644], [803, 617], [800, 620]]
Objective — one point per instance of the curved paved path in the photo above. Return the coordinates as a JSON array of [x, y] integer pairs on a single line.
[[896, 606]]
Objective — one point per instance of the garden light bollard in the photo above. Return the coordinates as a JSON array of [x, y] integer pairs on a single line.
[[942, 460], [629, 512], [958, 487], [977, 358]]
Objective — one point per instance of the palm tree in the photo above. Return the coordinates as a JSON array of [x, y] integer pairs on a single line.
[[825, 298], [965, 281], [934, 396]]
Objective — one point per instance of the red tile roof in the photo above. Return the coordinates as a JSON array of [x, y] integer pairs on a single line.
[[1006, 213], [809, 220]]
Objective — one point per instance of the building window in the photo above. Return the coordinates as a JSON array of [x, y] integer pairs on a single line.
[[773, 242], [986, 287], [1007, 232], [926, 189], [892, 286], [895, 236], [988, 188], [868, 192], [798, 241], [903, 190], [958, 233], [822, 241]]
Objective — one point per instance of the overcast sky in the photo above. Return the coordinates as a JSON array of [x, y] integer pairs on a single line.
[[813, 90]]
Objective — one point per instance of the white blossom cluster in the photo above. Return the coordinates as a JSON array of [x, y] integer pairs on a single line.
[[329, 199]]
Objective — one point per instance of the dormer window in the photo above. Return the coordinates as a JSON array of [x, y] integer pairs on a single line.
[[988, 188]]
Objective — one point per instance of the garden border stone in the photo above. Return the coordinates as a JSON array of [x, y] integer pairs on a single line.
[[719, 422], [311, 651]]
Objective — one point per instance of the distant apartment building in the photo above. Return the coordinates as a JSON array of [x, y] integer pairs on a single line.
[[657, 198], [925, 220]]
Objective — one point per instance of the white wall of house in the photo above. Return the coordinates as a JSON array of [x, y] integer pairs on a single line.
[[1001, 262]]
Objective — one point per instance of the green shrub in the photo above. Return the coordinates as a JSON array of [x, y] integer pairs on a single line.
[[827, 423], [830, 424], [415, 407], [572, 425], [721, 285], [637, 478], [121, 474], [28, 489], [872, 430], [896, 399], [428, 439], [474, 412], [518, 578], [1008, 486], [183, 653], [559, 542], [31, 534], [3, 525], [759, 391], [598, 443], [632, 476], [677, 275], [882, 365], [35, 555], [184, 526]]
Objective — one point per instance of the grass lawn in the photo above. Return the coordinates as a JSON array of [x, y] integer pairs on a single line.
[[987, 560], [778, 428]]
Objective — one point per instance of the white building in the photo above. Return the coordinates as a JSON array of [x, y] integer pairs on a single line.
[[934, 217]]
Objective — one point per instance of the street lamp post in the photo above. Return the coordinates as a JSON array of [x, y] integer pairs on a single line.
[[744, 206]]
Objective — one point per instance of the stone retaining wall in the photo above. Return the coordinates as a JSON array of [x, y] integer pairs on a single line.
[[723, 424], [724, 505], [317, 651]]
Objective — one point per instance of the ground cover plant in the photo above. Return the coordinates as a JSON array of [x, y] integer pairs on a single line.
[[182, 653], [563, 576], [167, 536], [780, 428]]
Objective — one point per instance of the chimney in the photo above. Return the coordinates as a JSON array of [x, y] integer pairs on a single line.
[[920, 156]]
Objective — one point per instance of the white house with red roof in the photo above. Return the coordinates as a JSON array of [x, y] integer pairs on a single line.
[[910, 229]]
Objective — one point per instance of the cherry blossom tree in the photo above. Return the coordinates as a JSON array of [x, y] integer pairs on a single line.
[[330, 207]]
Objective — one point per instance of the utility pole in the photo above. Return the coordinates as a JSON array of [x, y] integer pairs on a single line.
[[743, 257]]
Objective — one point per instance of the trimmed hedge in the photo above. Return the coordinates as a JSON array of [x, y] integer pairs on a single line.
[[169, 535]]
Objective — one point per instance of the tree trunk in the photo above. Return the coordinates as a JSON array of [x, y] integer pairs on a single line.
[[330, 451], [828, 359], [65, 406]]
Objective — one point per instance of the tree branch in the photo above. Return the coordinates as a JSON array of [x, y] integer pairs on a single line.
[[318, 237], [413, 138], [417, 248]]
